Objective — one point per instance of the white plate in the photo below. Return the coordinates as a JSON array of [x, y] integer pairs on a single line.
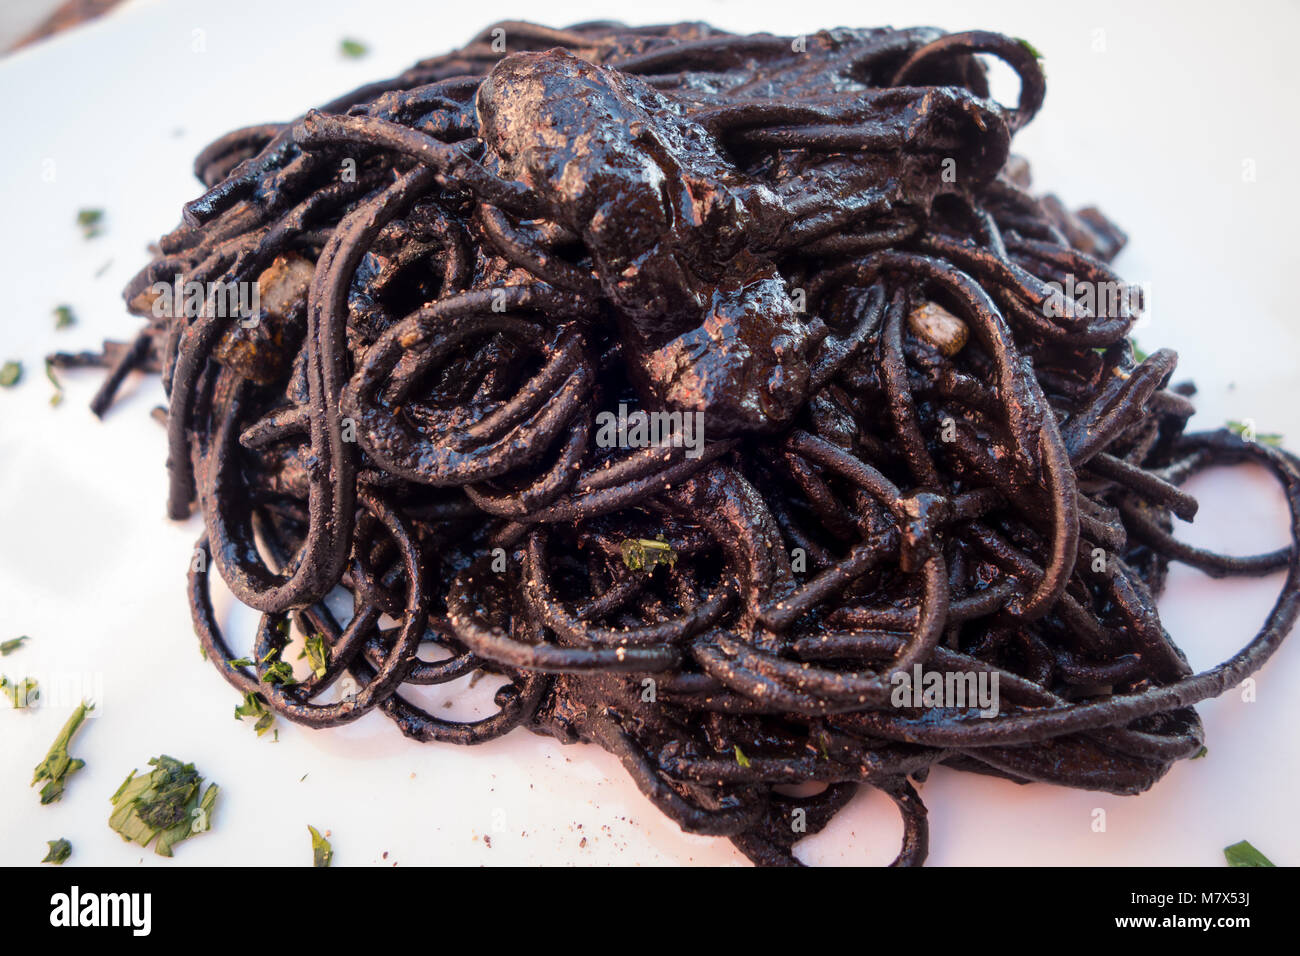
[[1153, 111]]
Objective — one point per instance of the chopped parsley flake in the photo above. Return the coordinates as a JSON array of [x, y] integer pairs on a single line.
[[64, 317], [317, 653], [1243, 854], [90, 221], [164, 803], [321, 851], [644, 554], [255, 706], [58, 764]]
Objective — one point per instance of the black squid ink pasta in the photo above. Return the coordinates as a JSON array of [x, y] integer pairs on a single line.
[[919, 451]]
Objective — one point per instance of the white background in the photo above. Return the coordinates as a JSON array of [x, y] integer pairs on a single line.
[[1151, 111]]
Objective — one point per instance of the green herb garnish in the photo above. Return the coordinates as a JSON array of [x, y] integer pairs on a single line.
[[317, 653], [643, 554], [255, 706], [321, 851], [1243, 854], [58, 764], [1030, 47], [1203, 752], [1138, 355], [740, 757], [164, 803], [277, 671], [57, 398], [90, 220], [64, 317], [60, 850], [11, 374], [353, 49], [21, 693], [11, 645]]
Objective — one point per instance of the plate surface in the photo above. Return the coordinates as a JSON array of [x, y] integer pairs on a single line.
[[1176, 121]]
